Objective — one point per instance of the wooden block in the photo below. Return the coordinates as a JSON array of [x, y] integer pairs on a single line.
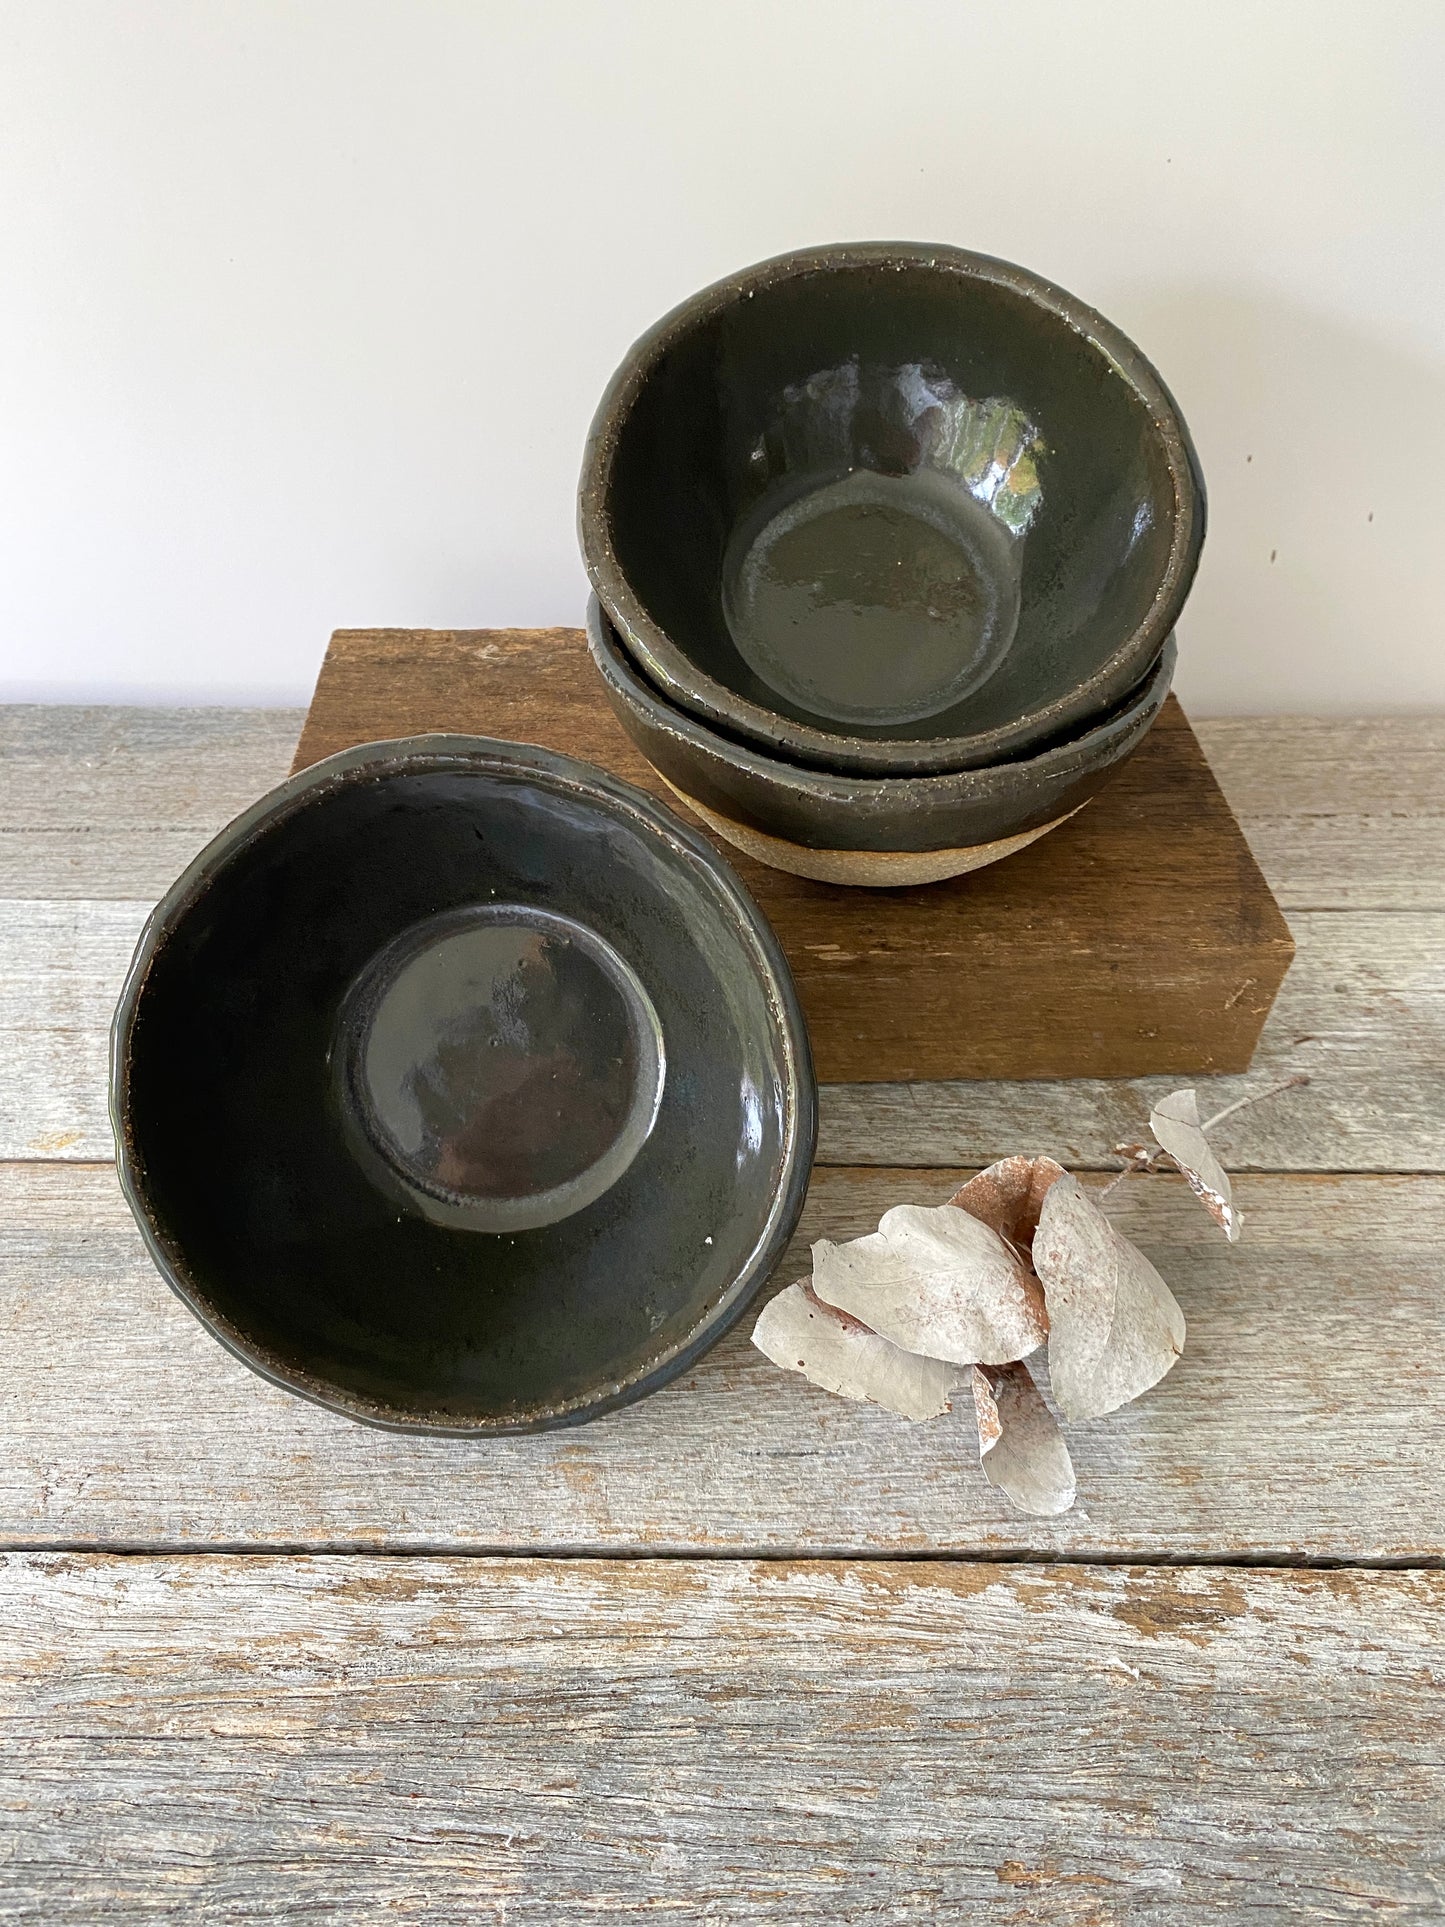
[[1140, 938]]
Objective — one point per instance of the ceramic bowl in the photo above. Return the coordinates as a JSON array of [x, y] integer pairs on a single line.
[[890, 508], [461, 1088], [870, 830]]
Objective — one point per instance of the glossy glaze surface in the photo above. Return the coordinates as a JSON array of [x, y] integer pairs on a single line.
[[890, 508], [460, 1087], [825, 811], [502, 1066], [869, 598]]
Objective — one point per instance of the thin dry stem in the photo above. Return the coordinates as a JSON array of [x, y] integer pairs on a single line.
[[1257, 1097], [1138, 1159]]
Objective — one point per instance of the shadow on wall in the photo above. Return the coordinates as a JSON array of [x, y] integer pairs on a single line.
[[1319, 590]]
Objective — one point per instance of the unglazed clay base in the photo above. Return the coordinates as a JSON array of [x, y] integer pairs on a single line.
[[868, 869]]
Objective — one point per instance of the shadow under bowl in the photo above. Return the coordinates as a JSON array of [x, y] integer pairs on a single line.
[[461, 1088], [871, 830], [890, 508]]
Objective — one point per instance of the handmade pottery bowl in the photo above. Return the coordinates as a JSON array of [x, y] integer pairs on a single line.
[[872, 830], [461, 1088], [890, 507]]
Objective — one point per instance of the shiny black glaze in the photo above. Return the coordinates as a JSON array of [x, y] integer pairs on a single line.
[[1077, 519], [237, 1143], [824, 811], [502, 1066]]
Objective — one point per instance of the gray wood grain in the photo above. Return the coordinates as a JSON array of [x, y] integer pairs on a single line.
[[1321, 765], [1306, 1419], [198, 1737], [352, 1739], [1340, 814], [112, 802], [1362, 1012], [61, 968]]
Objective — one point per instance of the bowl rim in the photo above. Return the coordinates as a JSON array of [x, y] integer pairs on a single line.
[[584, 782], [1068, 756], [687, 684]]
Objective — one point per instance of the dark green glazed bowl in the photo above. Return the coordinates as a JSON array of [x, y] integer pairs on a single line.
[[964, 809], [890, 508], [461, 1088]]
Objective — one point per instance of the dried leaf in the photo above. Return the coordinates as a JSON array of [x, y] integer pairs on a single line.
[[1020, 1446], [1114, 1326], [841, 1355], [985, 1408], [1174, 1121], [1009, 1195], [937, 1281]]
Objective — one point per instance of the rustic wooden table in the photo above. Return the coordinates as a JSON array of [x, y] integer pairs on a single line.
[[744, 1652]]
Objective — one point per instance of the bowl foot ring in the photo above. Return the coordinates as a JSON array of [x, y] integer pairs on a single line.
[[866, 869]]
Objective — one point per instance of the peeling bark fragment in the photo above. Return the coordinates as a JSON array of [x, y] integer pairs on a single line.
[[938, 1281], [1020, 1446], [836, 1352], [1009, 1195], [1114, 1326], [1175, 1124]]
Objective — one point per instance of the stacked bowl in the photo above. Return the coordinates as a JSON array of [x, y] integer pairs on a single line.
[[887, 545]]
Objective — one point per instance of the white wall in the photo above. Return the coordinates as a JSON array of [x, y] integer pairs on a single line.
[[305, 304]]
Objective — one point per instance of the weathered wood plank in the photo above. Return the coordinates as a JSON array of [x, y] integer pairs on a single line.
[[1362, 1012], [1326, 765], [1307, 1417], [1340, 814], [352, 1739], [107, 765], [61, 967], [113, 802]]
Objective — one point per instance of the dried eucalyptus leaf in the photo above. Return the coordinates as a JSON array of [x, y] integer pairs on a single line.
[[1077, 1266], [841, 1355], [1009, 1195], [1020, 1446], [1174, 1121], [1114, 1326], [937, 1281], [985, 1410]]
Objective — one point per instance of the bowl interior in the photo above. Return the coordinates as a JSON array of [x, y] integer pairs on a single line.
[[425, 992], [897, 500]]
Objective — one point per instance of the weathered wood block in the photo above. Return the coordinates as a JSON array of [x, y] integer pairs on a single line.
[[1140, 938]]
